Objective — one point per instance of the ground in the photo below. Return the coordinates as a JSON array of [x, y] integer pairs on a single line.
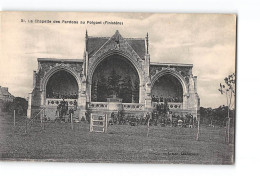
[[122, 143]]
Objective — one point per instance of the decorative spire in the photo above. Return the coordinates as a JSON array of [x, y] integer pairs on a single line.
[[86, 40], [117, 39], [147, 43], [85, 56]]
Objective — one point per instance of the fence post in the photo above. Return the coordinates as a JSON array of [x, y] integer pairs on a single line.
[[106, 122], [228, 130], [90, 127], [41, 120], [198, 132], [26, 126], [71, 121], [14, 118], [148, 126]]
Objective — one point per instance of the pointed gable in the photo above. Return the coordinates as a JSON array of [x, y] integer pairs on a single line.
[[136, 44]]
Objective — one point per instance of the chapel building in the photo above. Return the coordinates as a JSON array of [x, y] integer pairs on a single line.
[[114, 75]]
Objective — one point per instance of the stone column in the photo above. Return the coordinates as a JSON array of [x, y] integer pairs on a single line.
[[82, 105], [82, 100], [42, 98], [142, 93], [193, 103], [34, 78], [29, 110], [148, 91], [185, 101]]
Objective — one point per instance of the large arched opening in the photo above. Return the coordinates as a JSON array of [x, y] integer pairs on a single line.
[[115, 76], [62, 85], [167, 88]]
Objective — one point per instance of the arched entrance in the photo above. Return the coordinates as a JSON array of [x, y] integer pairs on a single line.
[[115, 76], [167, 88], [59, 83], [58, 70], [62, 84]]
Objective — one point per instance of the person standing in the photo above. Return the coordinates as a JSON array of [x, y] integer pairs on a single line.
[[75, 103], [63, 108], [161, 98]]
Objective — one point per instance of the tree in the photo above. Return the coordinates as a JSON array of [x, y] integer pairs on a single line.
[[136, 91], [102, 89], [113, 83], [126, 89], [19, 104], [228, 89]]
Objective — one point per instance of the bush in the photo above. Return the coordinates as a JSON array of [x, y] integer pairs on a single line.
[[19, 104]]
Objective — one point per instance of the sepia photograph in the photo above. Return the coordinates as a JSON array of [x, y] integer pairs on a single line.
[[98, 87]]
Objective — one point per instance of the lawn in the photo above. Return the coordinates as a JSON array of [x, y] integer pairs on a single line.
[[122, 143]]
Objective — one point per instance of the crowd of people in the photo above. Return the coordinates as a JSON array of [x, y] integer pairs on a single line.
[[66, 95], [63, 109], [153, 119], [168, 99]]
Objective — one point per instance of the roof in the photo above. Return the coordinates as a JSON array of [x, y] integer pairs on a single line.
[[170, 64], [95, 43], [138, 45], [4, 91], [58, 60]]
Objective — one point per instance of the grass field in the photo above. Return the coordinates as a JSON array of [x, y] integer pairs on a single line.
[[122, 143]]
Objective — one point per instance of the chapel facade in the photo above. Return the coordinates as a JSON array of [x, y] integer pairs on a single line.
[[114, 75]]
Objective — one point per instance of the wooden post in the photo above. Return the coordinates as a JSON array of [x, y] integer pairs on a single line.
[[87, 122], [148, 125], [228, 130], [14, 118], [198, 132], [106, 122], [91, 127], [44, 120], [198, 119], [71, 121], [41, 121], [25, 126]]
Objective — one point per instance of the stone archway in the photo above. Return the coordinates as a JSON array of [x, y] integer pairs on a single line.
[[172, 73], [61, 85], [53, 71], [167, 87], [181, 104], [130, 60], [115, 75]]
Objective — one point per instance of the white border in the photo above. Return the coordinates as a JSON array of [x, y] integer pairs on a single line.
[[247, 158]]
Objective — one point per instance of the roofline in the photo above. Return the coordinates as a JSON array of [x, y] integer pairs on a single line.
[[58, 60], [123, 37], [99, 37], [134, 38], [171, 64]]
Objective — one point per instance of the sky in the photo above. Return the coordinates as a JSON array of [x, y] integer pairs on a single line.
[[208, 41]]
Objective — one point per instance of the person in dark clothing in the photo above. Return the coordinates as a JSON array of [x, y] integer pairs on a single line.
[[58, 110], [153, 98], [71, 112], [75, 105], [63, 108], [161, 98], [157, 99]]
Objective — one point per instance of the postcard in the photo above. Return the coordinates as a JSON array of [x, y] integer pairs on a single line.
[[118, 87]]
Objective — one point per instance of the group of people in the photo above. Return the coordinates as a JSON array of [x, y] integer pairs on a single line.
[[153, 119], [163, 99], [66, 95], [63, 109]]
